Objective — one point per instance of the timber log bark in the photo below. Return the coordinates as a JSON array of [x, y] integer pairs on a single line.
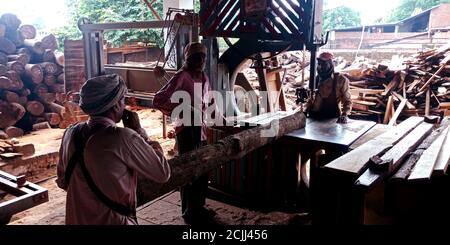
[[192, 165]]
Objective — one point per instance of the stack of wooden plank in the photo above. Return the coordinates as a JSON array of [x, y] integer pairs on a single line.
[[31, 79], [414, 150], [422, 88]]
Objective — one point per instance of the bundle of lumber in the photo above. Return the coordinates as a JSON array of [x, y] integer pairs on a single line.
[[412, 151], [421, 88], [13, 148], [32, 90]]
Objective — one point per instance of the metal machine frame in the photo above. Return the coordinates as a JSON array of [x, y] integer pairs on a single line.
[[269, 26], [27, 195]]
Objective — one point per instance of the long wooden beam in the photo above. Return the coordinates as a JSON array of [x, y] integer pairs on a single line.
[[355, 162], [397, 153], [405, 170], [192, 165]]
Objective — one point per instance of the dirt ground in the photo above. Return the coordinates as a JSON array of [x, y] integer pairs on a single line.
[[164, 211]]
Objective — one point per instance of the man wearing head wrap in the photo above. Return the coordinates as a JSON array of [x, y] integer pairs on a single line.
[[189, 137], [332, 99], [99, 162]]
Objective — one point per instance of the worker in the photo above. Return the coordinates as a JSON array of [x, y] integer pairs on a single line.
[[190, 137], [333, 89], [331, 100], [99, 161]]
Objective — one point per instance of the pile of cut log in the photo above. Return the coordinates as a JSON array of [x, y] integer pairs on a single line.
[[32, 92], [421, 88]]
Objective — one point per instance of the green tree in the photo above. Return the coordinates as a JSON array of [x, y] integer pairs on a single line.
[[100, 11], [408, 8], [340, 17]]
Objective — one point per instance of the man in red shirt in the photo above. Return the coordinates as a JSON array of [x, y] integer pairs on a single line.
[[190, 134]]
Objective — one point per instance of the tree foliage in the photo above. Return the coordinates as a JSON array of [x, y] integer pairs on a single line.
[[408, 8], [340, 17], [101, 11]]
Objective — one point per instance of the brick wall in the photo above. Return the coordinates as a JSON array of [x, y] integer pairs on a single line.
[[440, 17]]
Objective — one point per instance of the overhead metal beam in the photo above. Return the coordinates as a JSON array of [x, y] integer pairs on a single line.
[[124, 25]]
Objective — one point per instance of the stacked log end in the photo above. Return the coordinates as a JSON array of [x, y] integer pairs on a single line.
[[32, 92]]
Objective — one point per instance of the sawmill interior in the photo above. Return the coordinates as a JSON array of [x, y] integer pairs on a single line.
[[302, 122]]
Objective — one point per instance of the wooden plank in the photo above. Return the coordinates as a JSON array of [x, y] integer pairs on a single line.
[[377, 130], [443, 158], [355, 162], [425, 166], [405, 170], [399, 110], [397, 153], [401, 98], [388, 109]]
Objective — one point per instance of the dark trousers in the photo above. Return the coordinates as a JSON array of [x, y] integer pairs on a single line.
[[193, 195]]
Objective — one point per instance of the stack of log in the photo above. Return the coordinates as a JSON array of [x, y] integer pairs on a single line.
[[31, 79]]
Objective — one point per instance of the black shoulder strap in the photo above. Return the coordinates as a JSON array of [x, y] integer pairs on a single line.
[[78, 156]]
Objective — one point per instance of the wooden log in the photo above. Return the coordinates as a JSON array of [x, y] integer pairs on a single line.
[[35, 46], [34, 73], [23, 100], [396, 154], [42, 125], [49, 80], [49, 68], [25, 149], [59, 58], [49, 56], [3, 135], [194, 164], [22, 58], [49, 42], [6, 46], [10, 21], [425, 166], [53, 107], [54, 119], [47, 98], [16, 83], [35, 108], [9, 96], [5, 83], [16, 66], [60, 98], [15, 37], [28, 31], [61, 78], [57, 88], [14, 132], [355, 162], [25, 51], [3, 59], [11, 113], [40, 89], [25, 92]]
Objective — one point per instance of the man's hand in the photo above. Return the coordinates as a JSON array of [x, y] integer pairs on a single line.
[[342, 119], [130, 120], [155, 145]]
